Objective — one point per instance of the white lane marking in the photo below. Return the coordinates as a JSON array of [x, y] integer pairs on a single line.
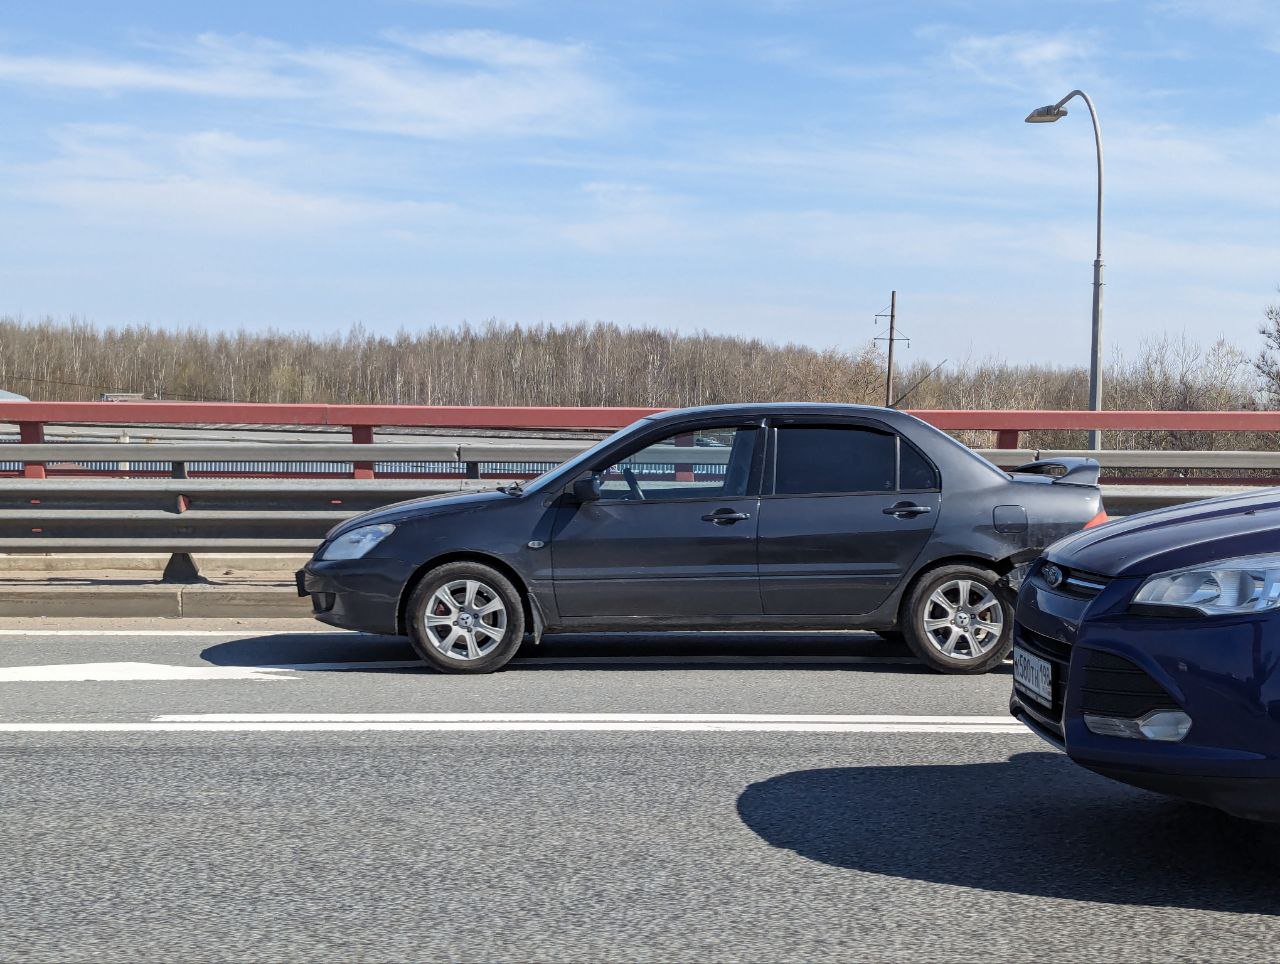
[[132, 671], [479, 718], [334, 667], [334, 631], [713, 660], [233, 633], [648, 726], [580, 722], [129, 672]]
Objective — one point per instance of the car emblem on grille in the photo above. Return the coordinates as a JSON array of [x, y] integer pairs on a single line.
[[1052, 575]]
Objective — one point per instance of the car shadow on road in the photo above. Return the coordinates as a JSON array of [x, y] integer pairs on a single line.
[[620, 652], [1036, 825], [743, 652], [322, 649]]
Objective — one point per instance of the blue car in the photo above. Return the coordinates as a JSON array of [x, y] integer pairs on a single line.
[[1149, 650]]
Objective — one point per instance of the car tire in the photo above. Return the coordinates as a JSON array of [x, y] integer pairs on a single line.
[[465, 617], [951, 615]]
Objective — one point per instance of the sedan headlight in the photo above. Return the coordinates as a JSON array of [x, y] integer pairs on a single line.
[[1247, 584], [357, 542]]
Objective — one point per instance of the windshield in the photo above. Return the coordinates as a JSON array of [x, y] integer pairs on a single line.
[[569, 467]]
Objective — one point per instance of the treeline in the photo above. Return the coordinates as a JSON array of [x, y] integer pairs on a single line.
[[491, 364], [595, 364]]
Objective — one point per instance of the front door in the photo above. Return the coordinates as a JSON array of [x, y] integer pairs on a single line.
[[847, 510], [673, 534]]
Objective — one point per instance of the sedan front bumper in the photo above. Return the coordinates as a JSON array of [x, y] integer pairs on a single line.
[[360, 594]]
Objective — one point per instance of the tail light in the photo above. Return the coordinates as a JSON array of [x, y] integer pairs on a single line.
[[1097, 520]]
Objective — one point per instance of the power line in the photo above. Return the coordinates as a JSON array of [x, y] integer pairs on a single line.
[[920, 381], [101, 389]]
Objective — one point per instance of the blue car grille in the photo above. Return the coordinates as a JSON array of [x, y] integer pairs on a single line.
[[1081, 584], [1113, 686], [1059, 654]]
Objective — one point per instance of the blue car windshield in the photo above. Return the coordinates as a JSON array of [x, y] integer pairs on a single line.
[[573, 464]]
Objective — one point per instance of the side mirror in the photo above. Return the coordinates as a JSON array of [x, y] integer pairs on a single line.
[[588, 489]]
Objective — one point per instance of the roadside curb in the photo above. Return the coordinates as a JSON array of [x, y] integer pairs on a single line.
[[198, 601]]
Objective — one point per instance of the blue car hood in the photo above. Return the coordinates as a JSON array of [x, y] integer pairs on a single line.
[[416, 508], [1184, 535]]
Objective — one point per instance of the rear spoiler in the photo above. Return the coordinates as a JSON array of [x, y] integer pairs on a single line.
[[1069, 470]]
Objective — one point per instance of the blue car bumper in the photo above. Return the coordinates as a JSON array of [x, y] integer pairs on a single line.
[[361, 594], [1111, 663]]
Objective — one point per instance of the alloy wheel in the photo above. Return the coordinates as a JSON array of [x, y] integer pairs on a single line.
[[465, 619], [963, 619]]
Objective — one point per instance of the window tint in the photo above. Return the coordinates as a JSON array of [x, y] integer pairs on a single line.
[[915, 471], [704, 463], [815, 459]]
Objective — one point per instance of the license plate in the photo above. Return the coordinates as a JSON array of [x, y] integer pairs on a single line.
[[1033, 675]]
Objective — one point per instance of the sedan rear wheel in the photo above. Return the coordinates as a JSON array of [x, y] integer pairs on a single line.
[[465, 617], [957, 622]]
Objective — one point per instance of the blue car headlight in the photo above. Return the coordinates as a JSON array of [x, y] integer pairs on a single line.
[[1246, 584], [357, 542]]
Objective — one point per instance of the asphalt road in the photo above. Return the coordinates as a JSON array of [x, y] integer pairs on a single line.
[[515, 840]]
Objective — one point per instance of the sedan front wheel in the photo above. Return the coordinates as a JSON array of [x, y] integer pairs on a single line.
[[465, 617]]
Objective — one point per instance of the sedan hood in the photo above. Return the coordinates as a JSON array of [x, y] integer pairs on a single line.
[[415, 508], [1184, 535]]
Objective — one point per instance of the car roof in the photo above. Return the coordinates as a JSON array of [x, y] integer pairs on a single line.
[[775, 408]]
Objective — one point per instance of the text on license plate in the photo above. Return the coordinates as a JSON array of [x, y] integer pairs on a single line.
[[1033, 675]]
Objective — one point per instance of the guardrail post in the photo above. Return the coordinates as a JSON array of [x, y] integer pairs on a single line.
[[684, 470], [362, 435], [181, 568], [31, 433], [1007, 438]]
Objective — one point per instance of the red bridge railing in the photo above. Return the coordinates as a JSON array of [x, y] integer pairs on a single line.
[[361, 420]]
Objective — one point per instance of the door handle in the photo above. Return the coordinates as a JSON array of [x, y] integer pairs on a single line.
[[723, 517], [906, 510]]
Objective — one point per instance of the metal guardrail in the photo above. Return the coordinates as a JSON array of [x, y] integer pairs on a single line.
[[520, 451], [186, 515], [32, 418], [183, 516], [106, 510]]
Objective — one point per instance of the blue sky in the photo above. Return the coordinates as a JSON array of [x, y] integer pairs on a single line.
[[767, 167]]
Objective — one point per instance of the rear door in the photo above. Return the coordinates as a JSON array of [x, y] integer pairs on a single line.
[[847, 507], [674, 533]]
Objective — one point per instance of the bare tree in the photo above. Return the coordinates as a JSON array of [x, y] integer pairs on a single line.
[[605, 364], [1267, 364]]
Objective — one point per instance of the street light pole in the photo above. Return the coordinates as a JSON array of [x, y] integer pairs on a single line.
[[1049, 115]]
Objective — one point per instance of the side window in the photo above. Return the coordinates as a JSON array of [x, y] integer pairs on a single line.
[[700, 464], [828, 458], [914, 471]]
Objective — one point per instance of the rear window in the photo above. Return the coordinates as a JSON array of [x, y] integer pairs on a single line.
[[916, 473], [829, 459]]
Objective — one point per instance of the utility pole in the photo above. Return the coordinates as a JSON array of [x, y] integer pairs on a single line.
[[893, 337]]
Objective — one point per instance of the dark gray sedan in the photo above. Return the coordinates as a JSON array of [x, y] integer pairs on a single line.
[[737, 517]]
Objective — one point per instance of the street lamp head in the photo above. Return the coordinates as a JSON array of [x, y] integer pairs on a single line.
[[1046, 115]]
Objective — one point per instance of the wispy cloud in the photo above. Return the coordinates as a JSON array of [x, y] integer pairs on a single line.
[[635, 217], [803, 57], [115, 174], [1260, 17], [435, 85], [1018, 57], [210, 69]]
